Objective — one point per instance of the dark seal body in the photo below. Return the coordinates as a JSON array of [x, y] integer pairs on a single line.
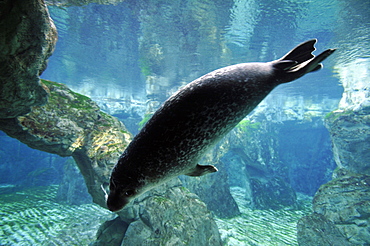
[[196, 117]]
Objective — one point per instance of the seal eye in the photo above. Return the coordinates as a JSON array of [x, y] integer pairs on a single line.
[[129, 193]]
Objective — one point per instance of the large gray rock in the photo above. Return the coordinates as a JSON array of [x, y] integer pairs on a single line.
[[273, 193], [350, 134], [72, 190], [315, 229], [253, 163], [167, 215], [71, 124], [343, 205], [27, 39], [111, 233]]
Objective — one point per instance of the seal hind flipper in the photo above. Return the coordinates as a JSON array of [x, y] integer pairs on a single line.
[[312, 64], [300, 61], [200, 170], [301, 52], [285, 64]]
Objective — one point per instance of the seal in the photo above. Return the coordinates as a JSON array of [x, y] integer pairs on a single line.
[[196, 117]]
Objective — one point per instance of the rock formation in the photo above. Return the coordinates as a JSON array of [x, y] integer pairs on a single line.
[[342, 206], [350, 134], [70, 124], [167, 215], [343, 203], [341, 212], [27, 39]]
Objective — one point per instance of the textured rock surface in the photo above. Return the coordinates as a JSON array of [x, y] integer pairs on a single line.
[[350, 134], [315, 229], [274, 193], [111, 233], [254, 164], [167, 215], [72, 189], [343, 204], [71, 124], [27, 39]]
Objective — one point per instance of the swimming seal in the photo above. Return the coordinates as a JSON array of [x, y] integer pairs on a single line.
[[197, 116]]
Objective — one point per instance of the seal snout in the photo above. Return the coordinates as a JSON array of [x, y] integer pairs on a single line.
[[115, 202]]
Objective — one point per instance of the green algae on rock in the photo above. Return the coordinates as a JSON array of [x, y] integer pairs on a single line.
[[71, 124]]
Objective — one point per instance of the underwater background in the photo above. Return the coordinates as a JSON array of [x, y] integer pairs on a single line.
[[128, 57]]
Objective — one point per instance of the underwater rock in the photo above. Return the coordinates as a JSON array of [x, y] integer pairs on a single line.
[[254, 158], [111, 233], [72, 190], [27, 40], [71, 124], [315, 230], [350, 134], [167, 215], [344, 202], [274, 193]]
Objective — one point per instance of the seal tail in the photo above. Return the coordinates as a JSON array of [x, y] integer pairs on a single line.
[[300, 60]]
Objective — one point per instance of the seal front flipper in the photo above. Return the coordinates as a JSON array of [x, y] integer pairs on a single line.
[[200, 170]]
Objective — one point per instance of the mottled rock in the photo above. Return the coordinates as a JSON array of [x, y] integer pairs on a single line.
[[72, 190], [273, 193], [350, 134], [315, 230], [169, 215], [71, 124], [346, 202], [343, 203], [254, 164], [27, 39], [111, 233]]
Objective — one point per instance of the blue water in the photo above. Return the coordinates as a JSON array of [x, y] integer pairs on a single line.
[[131, 56]]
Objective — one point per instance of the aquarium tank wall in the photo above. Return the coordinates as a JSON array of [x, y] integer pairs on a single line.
[[80, 78]]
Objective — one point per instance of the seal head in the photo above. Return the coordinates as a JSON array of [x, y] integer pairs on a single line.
[[196, 117]]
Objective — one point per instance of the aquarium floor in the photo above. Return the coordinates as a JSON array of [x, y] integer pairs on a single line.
[[32, 217], [261, 227]]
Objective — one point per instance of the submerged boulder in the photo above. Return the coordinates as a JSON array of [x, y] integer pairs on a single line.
[[343, 205], [27, 39], [71, 124], [273, 193], [315, 229], [167, 215], [350, 134]]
